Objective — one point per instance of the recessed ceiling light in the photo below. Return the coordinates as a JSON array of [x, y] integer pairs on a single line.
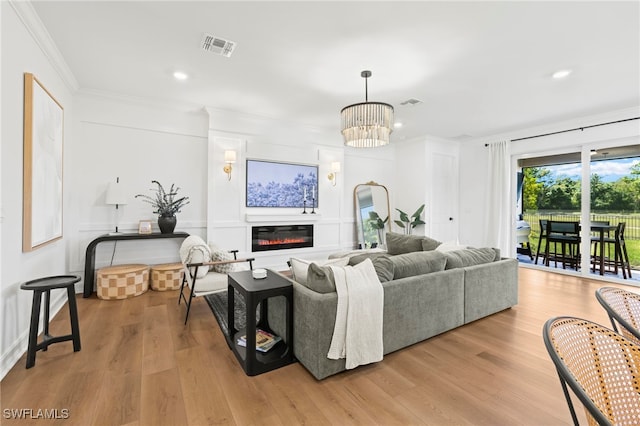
[[179, 75], [561, 74], [397, 124]]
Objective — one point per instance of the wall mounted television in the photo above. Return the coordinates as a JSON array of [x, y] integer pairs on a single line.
[[276, 184]]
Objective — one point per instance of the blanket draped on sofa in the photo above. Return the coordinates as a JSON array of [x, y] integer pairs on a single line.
[[357, 334]]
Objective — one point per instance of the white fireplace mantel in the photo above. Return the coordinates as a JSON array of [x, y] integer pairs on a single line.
[[296, 218]]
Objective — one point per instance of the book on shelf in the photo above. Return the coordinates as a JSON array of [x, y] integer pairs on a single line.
[[264, 340]]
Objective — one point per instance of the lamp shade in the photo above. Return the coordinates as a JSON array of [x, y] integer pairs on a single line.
[[229, 156], [335, 167], [115, 194]]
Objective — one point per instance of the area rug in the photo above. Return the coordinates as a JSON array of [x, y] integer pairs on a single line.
[[218, 304]]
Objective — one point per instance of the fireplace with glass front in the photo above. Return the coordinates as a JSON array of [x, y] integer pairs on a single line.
[[280, 237]]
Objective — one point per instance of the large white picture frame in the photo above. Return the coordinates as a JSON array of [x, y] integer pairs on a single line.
[[42, 166]]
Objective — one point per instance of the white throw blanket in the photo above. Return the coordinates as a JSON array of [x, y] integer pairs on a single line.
[[357, 335]]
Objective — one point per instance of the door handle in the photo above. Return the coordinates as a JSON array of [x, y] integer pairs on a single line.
[[450, 218]]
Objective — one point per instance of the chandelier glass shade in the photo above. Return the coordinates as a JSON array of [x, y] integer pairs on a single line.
[[367, 124]]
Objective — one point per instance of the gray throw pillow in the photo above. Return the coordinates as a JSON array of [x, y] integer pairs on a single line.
[[384, 268], [469, 257], [320, 279], [417, 263], [400, 243], [429, 244]]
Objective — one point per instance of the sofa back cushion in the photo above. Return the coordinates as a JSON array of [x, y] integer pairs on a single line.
[[429, 244], [400, 243], [320, 279], [300, 267], [417, 263], [469, 257]]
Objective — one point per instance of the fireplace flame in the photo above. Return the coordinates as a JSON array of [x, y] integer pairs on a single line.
[[277, 241]]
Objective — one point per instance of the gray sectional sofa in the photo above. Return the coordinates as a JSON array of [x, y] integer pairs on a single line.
[[426, 292]]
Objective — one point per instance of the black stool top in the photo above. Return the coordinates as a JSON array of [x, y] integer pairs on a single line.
[[57, 281]]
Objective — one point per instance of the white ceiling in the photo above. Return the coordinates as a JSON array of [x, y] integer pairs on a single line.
[[481, 68]]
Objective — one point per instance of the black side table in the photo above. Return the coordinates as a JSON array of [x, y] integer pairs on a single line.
[[44, 286], [254, 291]]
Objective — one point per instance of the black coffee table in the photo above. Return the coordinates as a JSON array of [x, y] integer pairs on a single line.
[[255, 291]]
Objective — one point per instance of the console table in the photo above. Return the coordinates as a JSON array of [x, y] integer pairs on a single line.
[[90, 257]]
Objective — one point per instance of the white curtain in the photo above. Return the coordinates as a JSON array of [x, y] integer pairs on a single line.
[[498, 208]]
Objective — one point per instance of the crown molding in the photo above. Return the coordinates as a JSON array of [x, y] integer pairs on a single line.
[[32, 22], [144, 101]]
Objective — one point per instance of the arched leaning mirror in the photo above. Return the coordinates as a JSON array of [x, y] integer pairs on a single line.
[[371, 201]]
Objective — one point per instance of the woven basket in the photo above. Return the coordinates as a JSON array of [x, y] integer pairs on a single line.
[[167, 276], [122, 281]]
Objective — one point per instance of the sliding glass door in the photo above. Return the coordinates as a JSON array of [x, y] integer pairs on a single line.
[[551, 190]]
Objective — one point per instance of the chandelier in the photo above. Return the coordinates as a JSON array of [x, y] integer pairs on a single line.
[[367, 124]]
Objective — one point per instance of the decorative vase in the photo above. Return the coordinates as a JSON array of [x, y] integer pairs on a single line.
[[167, 224]]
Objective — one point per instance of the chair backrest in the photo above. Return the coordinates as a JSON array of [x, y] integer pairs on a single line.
[[600, 366], [543, 227], [564, 228], [623, 308], [620, 230]]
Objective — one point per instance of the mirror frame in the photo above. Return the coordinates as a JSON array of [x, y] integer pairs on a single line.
[[357, 213]]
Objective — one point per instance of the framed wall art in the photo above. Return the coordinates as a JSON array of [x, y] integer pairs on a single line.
[[42, 166], [275, 184]]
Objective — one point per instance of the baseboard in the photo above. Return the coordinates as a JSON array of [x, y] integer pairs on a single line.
[[19, 347]]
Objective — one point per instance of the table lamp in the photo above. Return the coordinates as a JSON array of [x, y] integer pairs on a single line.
[[115, 196]]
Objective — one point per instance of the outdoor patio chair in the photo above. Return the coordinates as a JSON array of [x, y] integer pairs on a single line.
[[601, 367], [567, 234], [623, 308], [620, 257]]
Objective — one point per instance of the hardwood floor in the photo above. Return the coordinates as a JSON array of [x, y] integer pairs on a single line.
[[139, 365]]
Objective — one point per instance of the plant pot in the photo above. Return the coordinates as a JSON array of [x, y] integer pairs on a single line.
[[167, 224]]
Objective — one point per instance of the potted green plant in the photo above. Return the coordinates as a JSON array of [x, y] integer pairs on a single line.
[[377, 223], [408, 223], [165, 205]]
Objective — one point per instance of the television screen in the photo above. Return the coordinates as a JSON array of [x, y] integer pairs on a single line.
[[273, 184]]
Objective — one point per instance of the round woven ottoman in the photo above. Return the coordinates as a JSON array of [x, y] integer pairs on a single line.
[[167, 276], [122, 281]]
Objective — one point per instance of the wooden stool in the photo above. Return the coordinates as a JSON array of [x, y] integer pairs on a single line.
[[167, 276], [122, 281], [44, 286]]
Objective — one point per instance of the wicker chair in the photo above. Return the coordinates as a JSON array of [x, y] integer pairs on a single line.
[[600, 366], [623, 308]]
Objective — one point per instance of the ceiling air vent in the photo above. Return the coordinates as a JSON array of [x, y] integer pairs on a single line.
[[411, 101], [217, 45]]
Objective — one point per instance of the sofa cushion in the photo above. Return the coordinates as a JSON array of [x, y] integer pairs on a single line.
[[400, 243], [429, 244], [320, 279], [384, 268], [469, 257], [450, 246], [300, 267], [417, 263], [358, 258]]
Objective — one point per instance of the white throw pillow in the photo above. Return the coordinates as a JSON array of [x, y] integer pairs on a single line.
[[195, 250], [300, 267], [450, 246], [219, 255]]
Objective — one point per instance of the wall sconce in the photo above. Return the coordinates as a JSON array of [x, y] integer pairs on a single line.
[[335, 169], [229, 158], [115, 196]]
